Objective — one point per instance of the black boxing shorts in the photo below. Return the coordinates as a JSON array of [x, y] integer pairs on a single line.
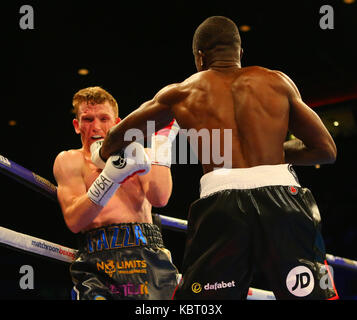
[[123, 262], [254, 218]]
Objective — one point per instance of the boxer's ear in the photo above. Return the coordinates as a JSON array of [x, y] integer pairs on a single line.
[[117, 120], [76, 125]]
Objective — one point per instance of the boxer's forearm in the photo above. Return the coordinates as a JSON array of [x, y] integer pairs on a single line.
[[297, 153], [114, 140], [149, 111], [159, 185]]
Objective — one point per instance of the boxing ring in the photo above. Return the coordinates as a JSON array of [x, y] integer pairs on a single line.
[[58, 252]]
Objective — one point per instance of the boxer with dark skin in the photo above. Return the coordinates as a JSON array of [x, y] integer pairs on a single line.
[[260, 106]]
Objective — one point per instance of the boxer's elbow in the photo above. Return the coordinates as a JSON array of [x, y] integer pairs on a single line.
[[73, 225], [69, 217], [329, 153], [331, 158], [159, 195], [75, 220], [74, 228], [159, 200], [159, 204]]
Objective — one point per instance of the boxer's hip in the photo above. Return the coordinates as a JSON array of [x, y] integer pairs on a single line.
[[120, 236], [248, 178], [123, 261]]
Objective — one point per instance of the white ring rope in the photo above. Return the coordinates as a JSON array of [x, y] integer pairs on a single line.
[[35, 245], [62, 253], [55, 251]]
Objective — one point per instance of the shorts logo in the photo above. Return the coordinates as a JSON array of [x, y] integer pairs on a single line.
[[120, 162], [293, 190], [115, 237], [196, 287], [300, 281], [111, 267], [129, 289]]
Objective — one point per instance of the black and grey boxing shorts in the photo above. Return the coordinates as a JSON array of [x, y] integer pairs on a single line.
[[250, 218], [123, 261]]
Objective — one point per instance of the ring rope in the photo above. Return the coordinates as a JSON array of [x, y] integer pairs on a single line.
[[55, 251], [36, 245], [45, 187], [52, 250]]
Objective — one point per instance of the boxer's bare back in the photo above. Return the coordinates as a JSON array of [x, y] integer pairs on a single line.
[[259, 105]]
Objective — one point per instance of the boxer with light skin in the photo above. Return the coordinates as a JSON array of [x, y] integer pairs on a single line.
[[117, 196], [92, 123]]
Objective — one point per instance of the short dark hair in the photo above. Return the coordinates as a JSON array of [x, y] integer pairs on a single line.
[[215, 31]]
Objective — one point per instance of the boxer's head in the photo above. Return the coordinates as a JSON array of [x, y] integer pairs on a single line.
[[96, 112], [93, 95], [216, 38]]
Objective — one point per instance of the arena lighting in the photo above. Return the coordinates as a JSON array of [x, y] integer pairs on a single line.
[[12, 123], [348, 1], [244, 28], [83, 72], [336, 123], [333, 99]]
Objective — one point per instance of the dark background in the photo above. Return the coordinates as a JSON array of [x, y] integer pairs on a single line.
[[133, 49]]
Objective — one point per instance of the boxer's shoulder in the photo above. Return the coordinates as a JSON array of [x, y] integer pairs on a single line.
[[69, 160], [76, 155]]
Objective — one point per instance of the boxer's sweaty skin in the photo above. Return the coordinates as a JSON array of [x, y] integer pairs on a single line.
[[128, 204], [75, 173], [259, 105]]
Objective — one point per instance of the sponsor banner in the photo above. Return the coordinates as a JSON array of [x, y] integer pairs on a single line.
[[36, 245]]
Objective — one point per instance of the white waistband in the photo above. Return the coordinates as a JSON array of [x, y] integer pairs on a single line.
[[248, 178]]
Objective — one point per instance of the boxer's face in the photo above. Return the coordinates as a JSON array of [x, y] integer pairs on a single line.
[[94, 121]]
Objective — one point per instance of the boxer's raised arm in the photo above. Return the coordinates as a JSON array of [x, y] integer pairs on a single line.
[[79, 205], [78, 210], [314, 144], [159, 110], [157, 184]]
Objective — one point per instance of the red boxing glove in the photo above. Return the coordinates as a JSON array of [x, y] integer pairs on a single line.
[[161, 144]]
